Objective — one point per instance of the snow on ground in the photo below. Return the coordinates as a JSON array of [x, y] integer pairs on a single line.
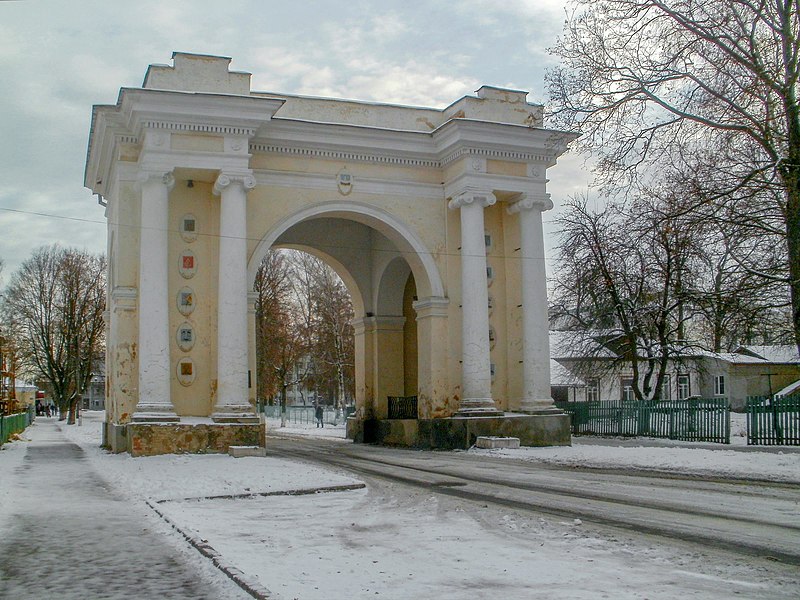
[[687, 458], [665, 455], [388, 542]]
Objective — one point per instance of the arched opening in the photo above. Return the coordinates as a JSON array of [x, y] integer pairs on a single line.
[[381, 270], [302, 315]]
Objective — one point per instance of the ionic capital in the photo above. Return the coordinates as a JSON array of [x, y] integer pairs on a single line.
[[540, 202], [465, 198], [167, 179], [247, 181]]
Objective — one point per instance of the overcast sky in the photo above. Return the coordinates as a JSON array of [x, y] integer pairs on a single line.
[[58, 58]]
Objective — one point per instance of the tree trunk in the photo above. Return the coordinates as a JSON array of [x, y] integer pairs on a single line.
[[792, 179], [73, 409], [283, 406]]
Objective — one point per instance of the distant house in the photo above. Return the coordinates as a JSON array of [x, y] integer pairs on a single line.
[[587, 368], [749, 371]]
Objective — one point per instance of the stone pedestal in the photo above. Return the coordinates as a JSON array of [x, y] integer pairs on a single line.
[[462, 432], [152, 439]]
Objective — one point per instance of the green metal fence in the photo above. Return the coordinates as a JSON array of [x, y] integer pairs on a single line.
[[11, 424], [773, 421], [692, 420]]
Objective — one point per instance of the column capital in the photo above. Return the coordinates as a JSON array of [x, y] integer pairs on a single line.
[[539, 201], [432, 306], [482, 197], [165, 177], [224, 180]]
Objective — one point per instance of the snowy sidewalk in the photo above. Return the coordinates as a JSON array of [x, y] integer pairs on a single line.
[[67, 535]]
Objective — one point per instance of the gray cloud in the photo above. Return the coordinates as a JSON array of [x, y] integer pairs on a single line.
[[59, 58]]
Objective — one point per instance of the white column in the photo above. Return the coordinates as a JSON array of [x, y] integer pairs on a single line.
[[232, 346], [535, 319], [476, 377], [154, 360]]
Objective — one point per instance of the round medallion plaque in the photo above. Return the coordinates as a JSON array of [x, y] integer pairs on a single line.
[[185, 371], [188, 228], [185, 336], [186, 301], [187, 264]]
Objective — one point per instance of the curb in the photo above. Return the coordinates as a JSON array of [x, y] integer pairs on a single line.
[[248, 584], [300, 492], [245, 582]]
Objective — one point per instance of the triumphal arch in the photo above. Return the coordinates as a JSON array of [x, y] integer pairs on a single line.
[[432, 217]]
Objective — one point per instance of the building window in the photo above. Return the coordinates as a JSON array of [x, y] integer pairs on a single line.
[[487, 239], [684, 390], [666, 389], [626, 387], [719, 385], [592, 390]]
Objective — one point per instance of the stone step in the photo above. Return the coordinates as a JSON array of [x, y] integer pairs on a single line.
[[485, 441], [241, 451]]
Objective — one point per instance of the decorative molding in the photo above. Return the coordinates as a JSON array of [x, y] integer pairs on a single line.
[[200, 128], [365, 157], [123, 138], [346, 156], [478, 164], [124, 298], [494, 154], [433, 306]]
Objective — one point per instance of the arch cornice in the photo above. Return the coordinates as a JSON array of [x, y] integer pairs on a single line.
[[407, 240]]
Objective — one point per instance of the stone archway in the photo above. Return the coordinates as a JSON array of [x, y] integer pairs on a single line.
[[372, 252], [202, 175]]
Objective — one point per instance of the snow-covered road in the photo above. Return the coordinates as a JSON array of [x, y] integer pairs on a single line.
[[400, 541]]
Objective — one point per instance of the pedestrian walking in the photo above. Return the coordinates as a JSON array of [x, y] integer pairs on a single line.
[[319, 413]]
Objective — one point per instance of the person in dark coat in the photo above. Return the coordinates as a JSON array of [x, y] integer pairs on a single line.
[[318, 413]]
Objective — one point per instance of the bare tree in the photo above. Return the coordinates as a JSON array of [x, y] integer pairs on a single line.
[[280, 336], [621, 284], [304, 336], [56, 300], [732, 304], [330, 312], [718, 78]]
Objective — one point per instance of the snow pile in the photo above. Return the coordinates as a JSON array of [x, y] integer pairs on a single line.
[[770, 466]]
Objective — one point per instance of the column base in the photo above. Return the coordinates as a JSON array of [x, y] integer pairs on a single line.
[[478, 407], [539, 406], [150, 414], [235, 414]]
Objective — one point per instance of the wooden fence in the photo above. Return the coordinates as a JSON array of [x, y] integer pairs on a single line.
[[693, 420], [773, 421]]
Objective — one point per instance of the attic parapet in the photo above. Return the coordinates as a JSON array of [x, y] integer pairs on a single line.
[[498, 105], [198, 73]]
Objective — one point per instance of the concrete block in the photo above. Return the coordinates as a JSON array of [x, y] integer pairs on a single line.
[[240, 451], [496, 442]]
